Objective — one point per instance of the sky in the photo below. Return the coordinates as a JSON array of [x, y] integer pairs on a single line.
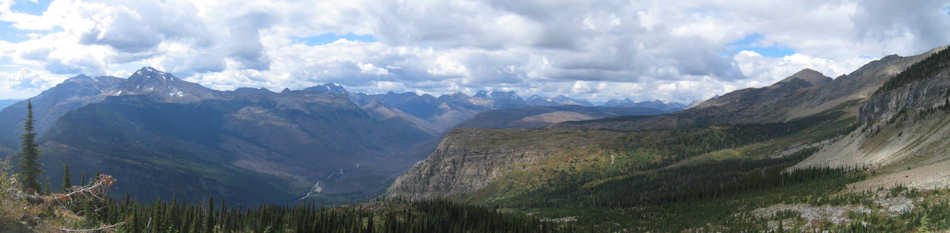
[[673, 51]]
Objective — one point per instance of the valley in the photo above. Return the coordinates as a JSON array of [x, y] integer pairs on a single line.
[[249, 145]]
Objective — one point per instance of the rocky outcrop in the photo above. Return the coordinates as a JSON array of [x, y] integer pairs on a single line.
[[922, 94], [470, 159], [902, 132], [459, 165]]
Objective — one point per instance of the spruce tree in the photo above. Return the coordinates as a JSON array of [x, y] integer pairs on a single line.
[[67, 183], [29, 166], [209, 218], [47, 189]]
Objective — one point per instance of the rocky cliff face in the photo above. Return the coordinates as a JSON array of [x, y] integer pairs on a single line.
[[903, 130], [920, 89], [470, 159]]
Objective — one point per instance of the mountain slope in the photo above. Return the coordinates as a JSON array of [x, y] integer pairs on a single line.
[[903, 132], [233, 148], [53, 103], [777, 105], [716, 165], [176, 138]]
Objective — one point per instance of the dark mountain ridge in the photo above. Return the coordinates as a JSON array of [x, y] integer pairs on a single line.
[[168, 137], [189, 141]]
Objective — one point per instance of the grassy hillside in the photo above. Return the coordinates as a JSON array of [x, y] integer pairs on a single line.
[[619, 155]]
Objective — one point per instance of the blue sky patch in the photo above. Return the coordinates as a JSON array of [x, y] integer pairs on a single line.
[[10, 34], [330, 38], [25, 6], [753, 42]]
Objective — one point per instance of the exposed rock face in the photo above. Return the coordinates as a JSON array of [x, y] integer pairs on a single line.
[[469, 159], [902, 134], [916, 96], [458, 166]]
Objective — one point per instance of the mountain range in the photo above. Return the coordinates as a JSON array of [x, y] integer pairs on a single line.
[[487, 161], [173, 138], [756, 159], [440, 114]]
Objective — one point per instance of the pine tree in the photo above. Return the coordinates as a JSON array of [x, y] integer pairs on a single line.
[[67, 184], [29, 166], [47, 189], [209, 218]]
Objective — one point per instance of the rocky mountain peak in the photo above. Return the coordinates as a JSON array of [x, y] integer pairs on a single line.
[[151, 74], [808, 75], [78, 78], [329, 88]]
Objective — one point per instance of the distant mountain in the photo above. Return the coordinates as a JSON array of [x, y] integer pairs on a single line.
[[434, 115], [53, 103], [656, 104], [536, 100], [7, 102], [802, 94], [543, 116], [437, 115], [168, 137]]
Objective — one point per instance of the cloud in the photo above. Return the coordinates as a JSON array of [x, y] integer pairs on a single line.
[[25, 83], [668, 50]]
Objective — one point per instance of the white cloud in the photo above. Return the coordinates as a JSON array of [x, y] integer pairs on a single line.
[[668, 50], [26, 82]]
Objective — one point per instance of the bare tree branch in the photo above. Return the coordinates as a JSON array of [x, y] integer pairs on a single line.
[[95, 190]]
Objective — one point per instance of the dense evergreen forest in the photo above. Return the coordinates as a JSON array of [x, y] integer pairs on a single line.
[[383, 216]]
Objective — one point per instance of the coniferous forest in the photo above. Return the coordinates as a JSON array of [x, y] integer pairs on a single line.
[[390, 216]]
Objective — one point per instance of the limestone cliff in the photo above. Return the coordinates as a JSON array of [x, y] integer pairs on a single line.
[[903, 132]]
